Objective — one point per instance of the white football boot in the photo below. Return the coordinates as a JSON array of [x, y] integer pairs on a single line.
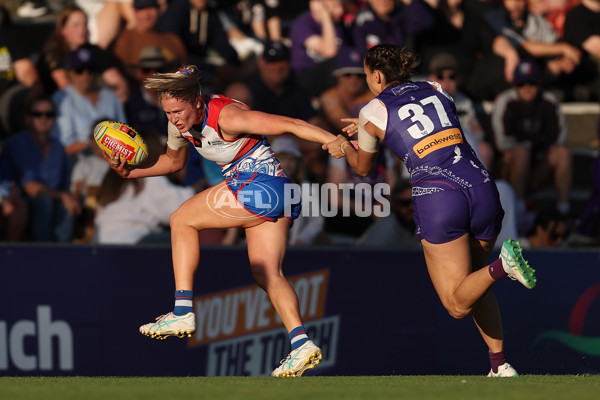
[[515, 265], [504, 371], [298, 361], [170, 325]]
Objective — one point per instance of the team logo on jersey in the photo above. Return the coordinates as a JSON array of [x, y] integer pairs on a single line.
[[438, 141], [457, 155], [400, 90]]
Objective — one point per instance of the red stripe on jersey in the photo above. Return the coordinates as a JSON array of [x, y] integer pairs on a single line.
[[249, 143], [216, 104]]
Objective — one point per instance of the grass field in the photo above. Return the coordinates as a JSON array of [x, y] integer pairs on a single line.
[[530, 387]]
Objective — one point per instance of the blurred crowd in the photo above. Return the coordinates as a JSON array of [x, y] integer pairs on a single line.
[[302, 59]]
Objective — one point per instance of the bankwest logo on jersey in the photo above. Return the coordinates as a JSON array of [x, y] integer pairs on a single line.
[[435, 142], [247, 309]]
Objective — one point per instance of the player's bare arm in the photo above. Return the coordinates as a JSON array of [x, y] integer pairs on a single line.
[[235, 120], [167, 163]]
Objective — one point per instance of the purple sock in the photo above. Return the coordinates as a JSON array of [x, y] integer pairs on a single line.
[[496, 360], [496, 270]]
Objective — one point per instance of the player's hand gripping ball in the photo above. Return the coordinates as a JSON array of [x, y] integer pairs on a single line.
[[116, 138]]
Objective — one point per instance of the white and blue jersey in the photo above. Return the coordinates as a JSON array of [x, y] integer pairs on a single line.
[[247, 162], [247, 153]]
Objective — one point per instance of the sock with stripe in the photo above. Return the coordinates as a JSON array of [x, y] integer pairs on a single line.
[[298, 337], [183, 302]]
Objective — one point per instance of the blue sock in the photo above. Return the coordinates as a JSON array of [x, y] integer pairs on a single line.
[[298, 337], [183, 302]]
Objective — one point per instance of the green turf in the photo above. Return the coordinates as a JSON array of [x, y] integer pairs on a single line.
[[530, 387]]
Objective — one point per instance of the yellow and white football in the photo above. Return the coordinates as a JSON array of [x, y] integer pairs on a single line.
[[117, 138]]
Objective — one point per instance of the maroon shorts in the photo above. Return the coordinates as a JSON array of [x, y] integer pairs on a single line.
[[444, 216]]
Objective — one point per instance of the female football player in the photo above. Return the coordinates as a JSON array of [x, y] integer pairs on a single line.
[[227, 132], [456, 204]]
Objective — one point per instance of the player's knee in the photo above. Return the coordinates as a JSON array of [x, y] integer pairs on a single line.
[[262, 277], [179, 219], [458, 312], [259, 276], [174, 219]]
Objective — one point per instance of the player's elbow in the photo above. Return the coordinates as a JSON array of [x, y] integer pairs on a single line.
[[364, 169], [177, 166], [362, 172]]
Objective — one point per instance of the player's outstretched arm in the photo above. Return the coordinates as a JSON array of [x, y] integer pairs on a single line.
[[235, 120]]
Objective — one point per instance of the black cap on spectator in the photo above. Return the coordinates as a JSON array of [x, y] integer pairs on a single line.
[[276, 51], [152, 57], [348, 61], [442, 61], [82, 58], [526, 72], [139, 4]]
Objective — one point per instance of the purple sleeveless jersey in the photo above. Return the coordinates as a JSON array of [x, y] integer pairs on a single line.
[[424, 131]]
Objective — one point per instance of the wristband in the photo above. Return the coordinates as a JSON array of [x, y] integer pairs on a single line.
[[342, 147]]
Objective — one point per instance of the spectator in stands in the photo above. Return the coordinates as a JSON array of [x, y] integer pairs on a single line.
[[142, 108], [518, 34], [106, 19], [316, 36], [274, 89], [550, 229], [32, 9], [348, 224], [82, 102], [446, 32], [397, 230], [86, 178], [17, 76], [309, 225], [582, 29], [555, 12], [201, 29], [132, 211], [13, 209], [41, 168], [71, 33], [530, 132], [239, 91], [390, 21], [444, 69], [129, 43], [587, 232], [241, 39], [350, 93], [266, 21]]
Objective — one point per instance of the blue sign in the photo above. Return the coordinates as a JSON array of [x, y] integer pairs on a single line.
[[76, 310]]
